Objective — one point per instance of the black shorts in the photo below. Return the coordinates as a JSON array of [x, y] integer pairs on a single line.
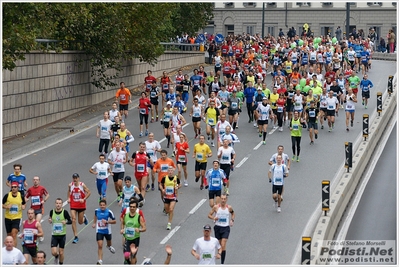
[[221, 231], [38, 211], [200, 166], [32, 251], [233, 112], [214, 193], [182, 163], [331, 112], [275, 111], [154, 101], [135, 241], [165, 91], [118, 176], [263, 122], [79, 210], [196, 119], [166, 124], [227, 75], [100, 236], [223, 106], [12, 224], [324, 110], [277, 188], [312, 62], [58, 240], [312, 125], [123, 107], [226, 169], [168, 200], [366, 94]]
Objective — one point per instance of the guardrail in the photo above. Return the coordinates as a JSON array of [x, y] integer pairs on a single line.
[[50, 44], [344, 189]]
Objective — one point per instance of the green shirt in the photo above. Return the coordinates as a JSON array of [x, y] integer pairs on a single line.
[[240, 95], [267, 92], [296, 127], [353, 82], [58, 227], [130, 224]]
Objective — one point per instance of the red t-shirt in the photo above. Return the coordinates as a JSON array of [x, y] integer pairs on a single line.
[[148, 82], [225, 49], [36, 195], [144, 104], [181, 155]]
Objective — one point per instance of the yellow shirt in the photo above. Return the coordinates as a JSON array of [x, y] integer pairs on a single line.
[[201, 152], [211, 116], [15, 212], [288, 67], [273, 100]]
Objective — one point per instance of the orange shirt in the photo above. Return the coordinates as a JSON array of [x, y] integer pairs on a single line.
[[124, 95], [163, 166]]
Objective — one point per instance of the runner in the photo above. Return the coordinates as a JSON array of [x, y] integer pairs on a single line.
[[223, 215], [280, 103], [276, 174], [233, 105], [201, 154], [139, 162], [144, 106], [177, 119], [13, 203], [102, 170], [182, 149], [104, 133], [126, 136], [78, 193], [223, 96], [154, 97], [129, 190], [215, 178], [312, 115], [117, 159], [166, 121], [296, 125], [152, 147], [40, 257], [226, 156], [365, 85], [211, 118], [10, 255], [197, 112], [166, 83], [38, 195], [285, 159], [169, 186], [103, 218], [161, 167], [221, 129], [114, 112], [131, 227], [354, 81], [207, 249], [148, 81], [125, 98], [350, 107], [263, 113], [59, 218], [31, 230], [18, 177], [332, 108]]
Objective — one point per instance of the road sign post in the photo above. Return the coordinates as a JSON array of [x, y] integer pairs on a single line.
[[365, 126], [348, 155], [379, 103], [325, 196], [390, 86], [306, 242]]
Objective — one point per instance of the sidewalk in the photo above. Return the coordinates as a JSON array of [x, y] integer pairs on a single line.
[[27, 143]]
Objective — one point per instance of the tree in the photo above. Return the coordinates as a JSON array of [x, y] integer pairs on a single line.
[[108, 33]]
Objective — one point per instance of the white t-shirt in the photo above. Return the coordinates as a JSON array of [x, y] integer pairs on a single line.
[[226, 154], [12, 257], [117, 158], [102, 170], [207, 250], [105, 127], [152, 148]]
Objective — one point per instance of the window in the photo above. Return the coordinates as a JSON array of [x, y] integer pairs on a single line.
[[327, 4], [271, 30], [249, 29], [230, 27], [228, 4], [306, 4], [271, 3], [249, 4], [394, 3], [327, 30], [374, 3]]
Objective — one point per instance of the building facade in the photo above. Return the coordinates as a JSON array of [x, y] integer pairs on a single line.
[[322, 17]]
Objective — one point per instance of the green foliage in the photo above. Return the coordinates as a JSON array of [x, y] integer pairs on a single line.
[[107, 32]]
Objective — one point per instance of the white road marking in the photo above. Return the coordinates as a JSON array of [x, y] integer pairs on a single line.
[[163, 242], [272, 131], [197, 206], [242, 162], [258, 145]]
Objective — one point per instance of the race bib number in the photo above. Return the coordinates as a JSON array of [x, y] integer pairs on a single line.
[[28, 236], [57, 228], [129, 232], [280, 109], [278, 181], [185, 87], [196, 114], [35, 200], [225, 157], [165, 86], [312, 113], [206, 256], [222, 219], [331, 107], [215, 182], [234, 105], [140, 167], [199, 156], [123, 97], [349, 106], [76, 197], [295, 127], [297, 104], [153, 94], [182, 158], [169, 190], [164, 167], [101, 225], [104, 129], [142, 111], [118, 165], [211, 121], [148, 86]]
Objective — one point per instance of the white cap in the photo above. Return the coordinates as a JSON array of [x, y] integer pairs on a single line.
[[168, 103]]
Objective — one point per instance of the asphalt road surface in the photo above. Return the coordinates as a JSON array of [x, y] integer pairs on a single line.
[[260, 235]]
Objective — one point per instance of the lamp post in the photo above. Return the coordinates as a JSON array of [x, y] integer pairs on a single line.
[[348, 16], [263, 20]]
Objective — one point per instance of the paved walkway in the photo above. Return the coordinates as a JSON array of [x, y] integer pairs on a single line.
[[14, 148]]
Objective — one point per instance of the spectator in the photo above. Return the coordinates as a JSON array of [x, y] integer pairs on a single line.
[[382, 47], [211, 51], [281, 33], [391, 41], [338, 33], [373, 37]]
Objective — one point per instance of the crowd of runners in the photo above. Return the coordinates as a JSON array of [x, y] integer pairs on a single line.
[[313, 81]]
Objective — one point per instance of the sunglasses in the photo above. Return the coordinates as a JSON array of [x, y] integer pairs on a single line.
[[14, 186]]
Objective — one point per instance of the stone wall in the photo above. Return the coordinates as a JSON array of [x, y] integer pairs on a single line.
[[47, 87]]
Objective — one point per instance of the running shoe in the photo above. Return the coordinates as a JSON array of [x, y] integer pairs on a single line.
[[322, 127], [157, 118], [330, 129], [226, 190], [363, 102], [315, 136], [260, 134], [152, 187], [85, 219], [147, 188], [41, 239], [164, 212], [196, 179], [274, 127], [146, 132], [311, 142], [152, 120], [255, 124], [201, 187], [185, 183], [141, 134], [297, 158], [365, 107], [293, 158], [232, 168], [281, 129], [212, 144], [274, 204], [168, 226], [264, 143], [111, 249], [75, 240], [56, 260], [347, 129], [278, 209]]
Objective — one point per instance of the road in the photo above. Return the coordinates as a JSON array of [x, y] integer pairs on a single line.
[[259, 233]]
